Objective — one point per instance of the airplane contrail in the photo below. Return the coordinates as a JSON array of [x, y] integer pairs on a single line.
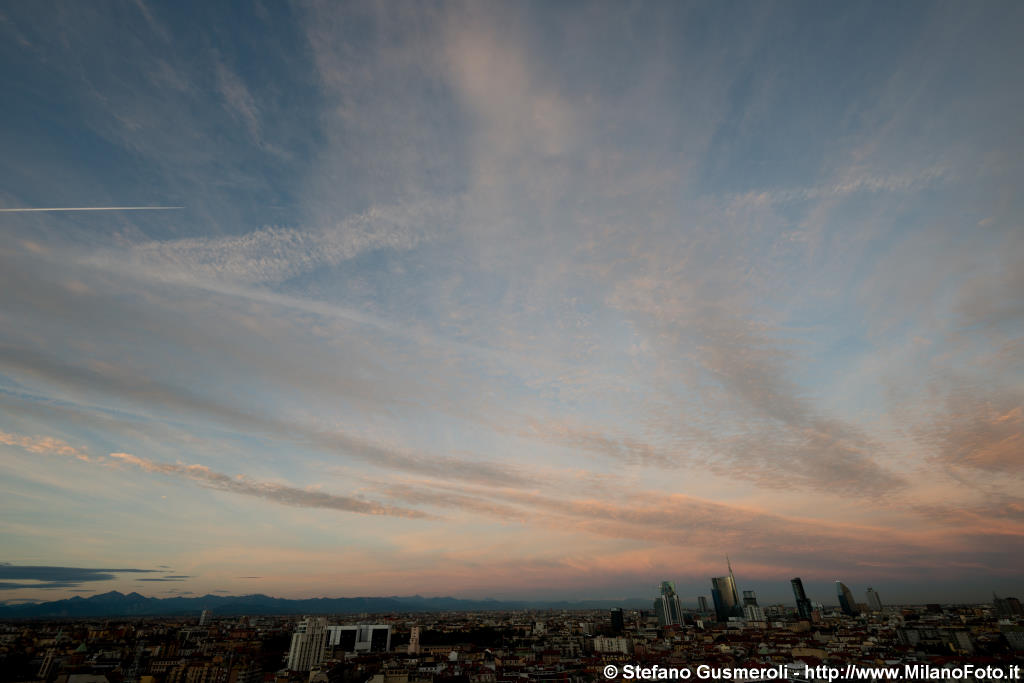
[[94, 208]]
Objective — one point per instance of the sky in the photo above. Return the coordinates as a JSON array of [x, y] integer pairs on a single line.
[[514, 300]]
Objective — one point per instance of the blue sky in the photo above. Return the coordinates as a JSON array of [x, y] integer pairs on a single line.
[[512, 299]]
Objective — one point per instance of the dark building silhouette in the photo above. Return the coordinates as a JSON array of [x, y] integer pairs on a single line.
[[803, 605], [618, 623], [874, 600], [1007, 607], [846, 602]]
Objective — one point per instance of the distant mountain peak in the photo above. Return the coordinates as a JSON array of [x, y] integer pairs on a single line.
[[116, 604]]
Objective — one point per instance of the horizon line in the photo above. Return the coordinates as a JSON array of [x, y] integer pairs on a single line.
[[91, 208], [196, 596]]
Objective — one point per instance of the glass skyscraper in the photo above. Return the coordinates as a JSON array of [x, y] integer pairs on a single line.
[[874, 601], [803, 605], [846, 602], [725, 597], [668, 607]]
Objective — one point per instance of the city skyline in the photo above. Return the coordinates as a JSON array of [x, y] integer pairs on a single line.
[[669, 609], [512, 300]]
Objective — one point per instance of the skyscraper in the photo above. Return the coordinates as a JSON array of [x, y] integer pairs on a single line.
[[702, 604], [803, 605], [725, 597], [667, 606], [751, 610], [309, 644], [874, 601], [618, 622], [846, 602]]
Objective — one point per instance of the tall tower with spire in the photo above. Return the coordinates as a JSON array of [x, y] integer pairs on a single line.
[[725, 595]]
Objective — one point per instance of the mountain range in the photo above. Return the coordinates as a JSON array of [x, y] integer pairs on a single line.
[[115, 604]]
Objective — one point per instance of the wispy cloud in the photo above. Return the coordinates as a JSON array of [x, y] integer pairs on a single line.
[[980, 430], [124, 385], [275, 254], [768, 430], [43, 444], [239, 100], [19, 577], [278, 493], [625, 449], [679, 520]]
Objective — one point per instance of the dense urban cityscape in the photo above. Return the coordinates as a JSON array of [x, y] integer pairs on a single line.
[[729, 636]]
